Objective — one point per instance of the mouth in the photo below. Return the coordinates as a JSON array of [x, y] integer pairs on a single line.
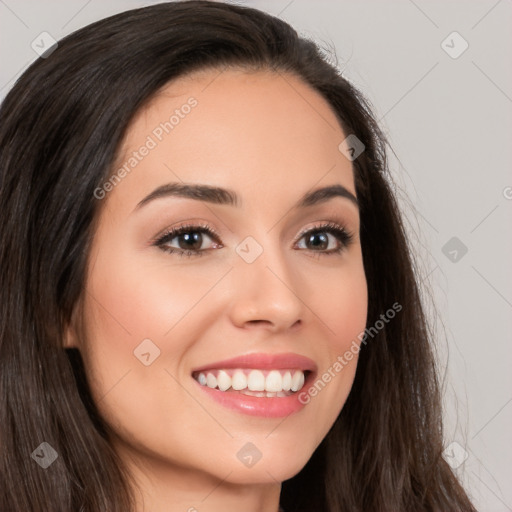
[[265, 385], [254, 382]]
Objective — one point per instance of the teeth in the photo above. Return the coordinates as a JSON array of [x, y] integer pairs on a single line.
[[223, 380], [254, 382], [287, 381], [274, 382], [211, 381], [297, 381], [238, 381]]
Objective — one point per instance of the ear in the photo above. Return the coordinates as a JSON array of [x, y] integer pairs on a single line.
[[70, 337]]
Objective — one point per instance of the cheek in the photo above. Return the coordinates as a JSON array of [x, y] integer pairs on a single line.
[[130, 300], [133, 346], [134, 314], [344, 307]]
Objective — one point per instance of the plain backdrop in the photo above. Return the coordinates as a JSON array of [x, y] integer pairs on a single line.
[[440, 81]]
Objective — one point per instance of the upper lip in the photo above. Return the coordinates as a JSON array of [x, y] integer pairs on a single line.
[[264, 362]]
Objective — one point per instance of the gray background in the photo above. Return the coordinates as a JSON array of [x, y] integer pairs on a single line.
[[449, 124]]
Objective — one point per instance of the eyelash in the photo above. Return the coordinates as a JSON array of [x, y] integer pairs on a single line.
[[341, 234]]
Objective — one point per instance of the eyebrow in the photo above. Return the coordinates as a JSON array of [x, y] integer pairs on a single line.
[[222, 196]]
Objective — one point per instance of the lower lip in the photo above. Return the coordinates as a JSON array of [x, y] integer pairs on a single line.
[[275, 407]]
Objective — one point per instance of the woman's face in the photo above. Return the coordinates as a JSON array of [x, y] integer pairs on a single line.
[[247, 278]]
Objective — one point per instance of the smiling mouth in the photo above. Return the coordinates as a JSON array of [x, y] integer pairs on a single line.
[[254, 382]]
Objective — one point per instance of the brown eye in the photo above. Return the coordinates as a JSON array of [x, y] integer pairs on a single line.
[[192, 240], [188, 240], [327, 239], [318, 241]]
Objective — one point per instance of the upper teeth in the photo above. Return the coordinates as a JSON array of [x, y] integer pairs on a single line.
[[254, 380]]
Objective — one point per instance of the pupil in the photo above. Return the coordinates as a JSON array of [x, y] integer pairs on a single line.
[[192, 242], [318, 239]]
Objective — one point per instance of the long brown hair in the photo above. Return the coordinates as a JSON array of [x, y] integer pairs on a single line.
[[60, 129]]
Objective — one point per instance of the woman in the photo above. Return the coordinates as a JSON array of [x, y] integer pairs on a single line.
[[208, 299]]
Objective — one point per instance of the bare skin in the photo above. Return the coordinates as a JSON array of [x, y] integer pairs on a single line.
[[271, 139]]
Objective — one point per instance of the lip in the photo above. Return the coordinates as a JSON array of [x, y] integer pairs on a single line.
[[275, 407], [285, 361]]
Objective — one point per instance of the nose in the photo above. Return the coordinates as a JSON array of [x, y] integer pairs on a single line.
[[266, 293]]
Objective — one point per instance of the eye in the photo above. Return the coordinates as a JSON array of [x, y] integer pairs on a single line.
[[187, 240], [328, 238]]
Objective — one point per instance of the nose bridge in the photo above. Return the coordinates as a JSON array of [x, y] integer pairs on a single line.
[[265, 287]]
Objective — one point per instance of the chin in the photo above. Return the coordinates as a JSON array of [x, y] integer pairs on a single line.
[[276, 468]]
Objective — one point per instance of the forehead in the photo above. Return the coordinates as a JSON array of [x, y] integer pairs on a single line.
[[262, 132]]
